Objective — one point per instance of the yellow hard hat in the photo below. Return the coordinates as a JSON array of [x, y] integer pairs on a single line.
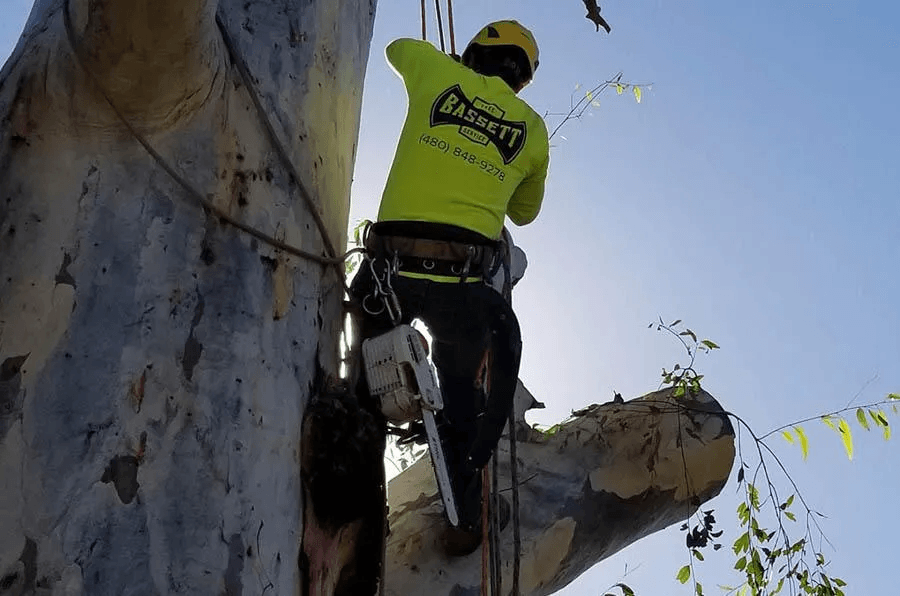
[[508, 33]]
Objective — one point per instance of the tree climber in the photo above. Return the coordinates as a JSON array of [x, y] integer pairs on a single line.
[[471, 153]]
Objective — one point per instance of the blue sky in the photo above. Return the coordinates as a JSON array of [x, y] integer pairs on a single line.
[[754, 193]]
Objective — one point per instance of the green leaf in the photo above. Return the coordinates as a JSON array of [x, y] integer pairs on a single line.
[[742, 543], [861, 418], [619, 89], [689, 333], [894, 396], [847, 437], [804, 442], [875, 417], [754, 496], [778, 587], [710, 344], [790, 516], [698, 588], [697, 554], [741, 564], [589, 95], [626, 590], [788, 436], [637, 94], [828, 422], [684, 574]]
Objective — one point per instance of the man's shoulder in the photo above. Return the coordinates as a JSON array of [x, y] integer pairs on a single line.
[[408, 47], [535, 121]]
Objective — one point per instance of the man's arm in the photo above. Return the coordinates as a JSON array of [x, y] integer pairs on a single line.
[[406, 55], [525, 204]]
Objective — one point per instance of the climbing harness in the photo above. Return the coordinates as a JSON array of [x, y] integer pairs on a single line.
[[330, 259], [383, 291]]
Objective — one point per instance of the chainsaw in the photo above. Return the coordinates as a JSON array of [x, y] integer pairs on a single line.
[[400, 374]]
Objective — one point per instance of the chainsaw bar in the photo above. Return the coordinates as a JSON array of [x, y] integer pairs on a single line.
[[439, 462]]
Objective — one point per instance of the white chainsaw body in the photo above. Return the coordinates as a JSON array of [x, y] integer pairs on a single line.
[[400, 374]]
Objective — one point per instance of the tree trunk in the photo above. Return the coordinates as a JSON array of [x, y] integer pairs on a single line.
[[588, 488], [156, 363]]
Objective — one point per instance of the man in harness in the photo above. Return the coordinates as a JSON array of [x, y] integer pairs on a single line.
[[470, 154]]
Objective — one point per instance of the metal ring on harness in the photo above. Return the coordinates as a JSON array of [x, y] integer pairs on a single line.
[[428, 264], [456, 268], [371, 312]]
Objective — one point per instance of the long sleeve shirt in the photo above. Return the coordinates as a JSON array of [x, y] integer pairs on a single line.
[[470, 153]]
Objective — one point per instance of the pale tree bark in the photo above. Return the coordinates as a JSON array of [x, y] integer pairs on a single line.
[[611, 475], [155, 364]]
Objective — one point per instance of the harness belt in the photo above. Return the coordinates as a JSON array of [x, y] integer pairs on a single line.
[[435, 257]]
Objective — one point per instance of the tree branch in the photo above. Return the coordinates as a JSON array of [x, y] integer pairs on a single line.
[[611, 475]]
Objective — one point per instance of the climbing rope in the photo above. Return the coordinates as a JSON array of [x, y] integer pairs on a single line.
[[424, 30], [496, 578], [330, 260], [514, 482], [450, 27], [440, 25], [485, 531]]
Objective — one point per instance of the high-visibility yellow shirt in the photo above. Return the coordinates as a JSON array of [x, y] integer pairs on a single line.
[[471, 152]]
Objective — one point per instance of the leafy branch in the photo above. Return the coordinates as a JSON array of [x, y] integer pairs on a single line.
[[683, 377], [768, 554], [590, 99]]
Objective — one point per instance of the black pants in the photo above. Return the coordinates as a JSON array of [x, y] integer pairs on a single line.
[[469, 322]]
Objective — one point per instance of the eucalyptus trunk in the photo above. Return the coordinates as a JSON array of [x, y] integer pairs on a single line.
[[156, 363]]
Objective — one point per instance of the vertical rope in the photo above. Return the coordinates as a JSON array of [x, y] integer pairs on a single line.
[[450, 26], [440, 23], [514, 480], [424, 31], [496, 579], [485, 496]]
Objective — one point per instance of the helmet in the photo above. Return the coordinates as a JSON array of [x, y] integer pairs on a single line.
[[508, 33]]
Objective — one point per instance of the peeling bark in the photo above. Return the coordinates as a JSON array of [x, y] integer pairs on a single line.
[[611, 475], [154, 369]]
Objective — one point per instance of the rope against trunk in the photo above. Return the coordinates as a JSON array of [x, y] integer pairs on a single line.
[[195, 194], [514, 480], [485, 498]]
